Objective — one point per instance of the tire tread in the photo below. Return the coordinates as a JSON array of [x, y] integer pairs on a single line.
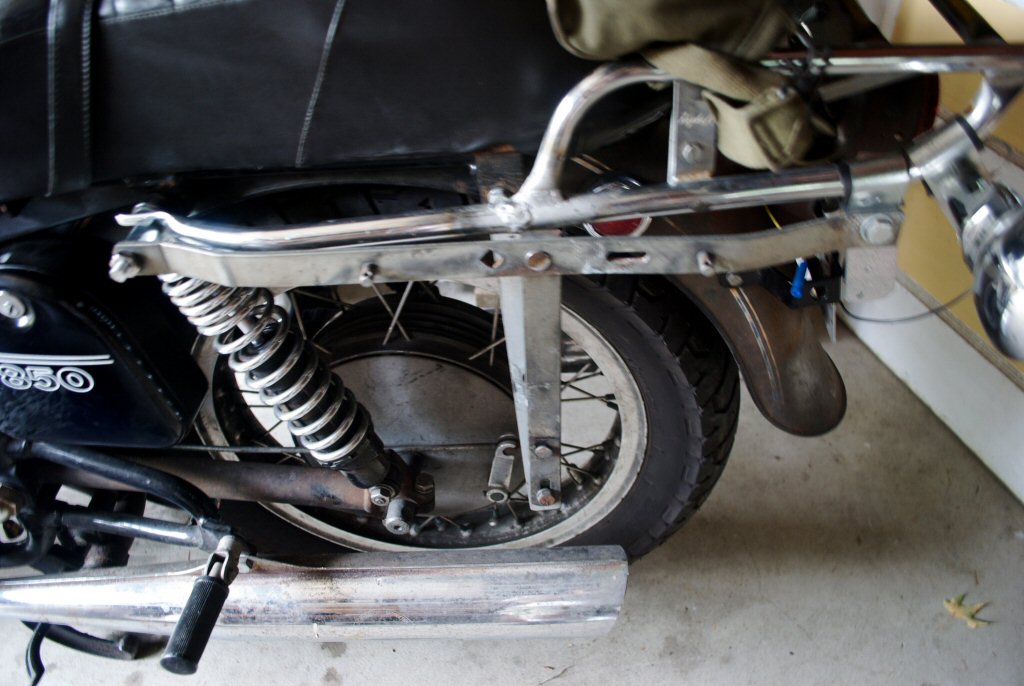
[[710, 369]]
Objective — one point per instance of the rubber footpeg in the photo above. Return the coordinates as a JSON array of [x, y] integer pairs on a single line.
[[192, 632]]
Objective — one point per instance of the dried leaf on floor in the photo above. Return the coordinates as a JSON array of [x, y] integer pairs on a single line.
[[967, 613]]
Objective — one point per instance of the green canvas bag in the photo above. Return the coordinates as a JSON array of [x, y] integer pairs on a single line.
[[762, 124]]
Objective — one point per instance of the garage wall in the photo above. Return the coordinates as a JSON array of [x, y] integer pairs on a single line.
[[947, 360], [929, 253]]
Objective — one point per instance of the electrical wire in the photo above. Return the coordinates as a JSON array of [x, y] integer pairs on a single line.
[[897, 320], [911, 318]]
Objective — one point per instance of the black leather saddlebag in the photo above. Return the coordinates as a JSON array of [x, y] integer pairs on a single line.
[[96, 90]]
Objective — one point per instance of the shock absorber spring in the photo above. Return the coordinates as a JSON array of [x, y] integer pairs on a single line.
[[273, 359]]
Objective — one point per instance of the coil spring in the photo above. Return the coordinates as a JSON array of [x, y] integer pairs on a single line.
[[254, 332]]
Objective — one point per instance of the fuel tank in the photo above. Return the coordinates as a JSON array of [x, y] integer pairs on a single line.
[[87, 361]]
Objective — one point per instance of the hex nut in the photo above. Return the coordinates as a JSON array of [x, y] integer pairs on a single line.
[[878, 229], [379, 496], [546, 497]]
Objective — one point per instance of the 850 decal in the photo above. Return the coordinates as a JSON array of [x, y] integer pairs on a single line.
[[50, 373]]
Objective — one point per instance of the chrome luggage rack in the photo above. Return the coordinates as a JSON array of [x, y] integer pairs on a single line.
[[335, 252], [515, 237]]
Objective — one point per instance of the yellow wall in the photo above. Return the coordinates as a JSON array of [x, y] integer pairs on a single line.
[[928, 250]]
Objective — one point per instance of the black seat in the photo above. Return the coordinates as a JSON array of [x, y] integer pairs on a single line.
[[168, 86]]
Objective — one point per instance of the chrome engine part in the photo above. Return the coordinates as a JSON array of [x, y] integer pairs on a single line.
[[285, 369]]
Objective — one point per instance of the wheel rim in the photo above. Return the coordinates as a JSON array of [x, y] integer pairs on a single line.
[[594, 480]]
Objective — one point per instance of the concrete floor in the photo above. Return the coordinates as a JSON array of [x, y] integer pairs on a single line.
[[815, 561]]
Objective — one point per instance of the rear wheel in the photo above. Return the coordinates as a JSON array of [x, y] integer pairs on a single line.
[[649, 392]]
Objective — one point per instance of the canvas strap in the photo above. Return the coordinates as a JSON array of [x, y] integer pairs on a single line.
[[762, 123]]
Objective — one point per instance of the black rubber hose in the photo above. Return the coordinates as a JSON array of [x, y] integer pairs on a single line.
[[124, 647], [168, 487], [33, 659]]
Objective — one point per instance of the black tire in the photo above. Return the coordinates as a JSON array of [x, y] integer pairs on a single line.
[[686, 375], [690, 386]]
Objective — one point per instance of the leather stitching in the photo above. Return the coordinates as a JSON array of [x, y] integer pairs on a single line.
[[173, 9], [52, 37], [87, 88], [321, 72]]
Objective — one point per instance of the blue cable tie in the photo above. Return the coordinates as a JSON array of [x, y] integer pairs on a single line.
[[796, 289]]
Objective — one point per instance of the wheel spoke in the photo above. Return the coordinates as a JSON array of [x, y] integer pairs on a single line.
[[490, 347], [512, 511], [579, 470], [297, 313], [591, 449], [494, 333], [581, 379], [568, 470], [384, 302], [267, 432], [425, 285], [576, 376], [398, 313], [588, 394], [317, 296], [333, 318], [608, 400]]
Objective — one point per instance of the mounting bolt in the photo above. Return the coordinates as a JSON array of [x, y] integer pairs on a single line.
[[705, 263], [380, 495], [544, 496], [366, 274], [543, 451], [878, 229], [538, 261], [14, 308], [11, 306], [692, 152], [496, 495], [124, 266], [399, 517]]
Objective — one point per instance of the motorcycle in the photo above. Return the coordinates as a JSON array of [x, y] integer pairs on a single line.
[[427, 326]]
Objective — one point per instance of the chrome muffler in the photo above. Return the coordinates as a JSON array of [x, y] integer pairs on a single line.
[[563, 592]]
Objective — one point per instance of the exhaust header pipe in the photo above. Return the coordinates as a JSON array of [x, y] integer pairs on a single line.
[[563, 592]]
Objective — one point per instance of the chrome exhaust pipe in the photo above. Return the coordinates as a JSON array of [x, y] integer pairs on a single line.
[[562, 592]]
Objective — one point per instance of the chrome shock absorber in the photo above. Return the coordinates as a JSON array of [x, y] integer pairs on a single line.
[[290, 376]]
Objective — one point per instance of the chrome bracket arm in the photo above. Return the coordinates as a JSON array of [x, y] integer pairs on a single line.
[[531, 315], [159, 252]]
